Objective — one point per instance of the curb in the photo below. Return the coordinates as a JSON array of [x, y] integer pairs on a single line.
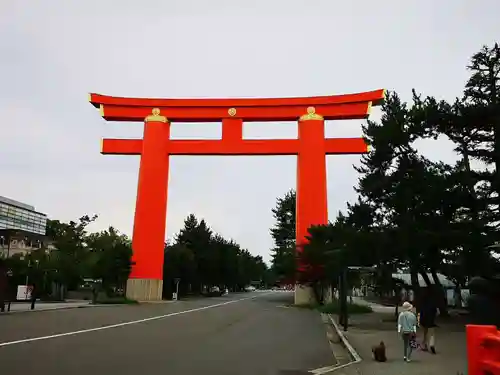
[[356, 358], [354, 354], [35, 310], [58, 308]]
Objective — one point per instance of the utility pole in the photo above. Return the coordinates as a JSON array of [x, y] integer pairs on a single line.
[[344, 317], [175, 295]]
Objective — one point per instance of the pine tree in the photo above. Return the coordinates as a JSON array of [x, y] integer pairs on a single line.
[[283, 233], [482, 97], [472, 124], [203, 259], [394, 183]]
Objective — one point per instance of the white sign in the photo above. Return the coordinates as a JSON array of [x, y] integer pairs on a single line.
[[24, 292]]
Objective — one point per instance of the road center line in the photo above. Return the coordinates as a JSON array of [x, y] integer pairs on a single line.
[[8, 343]]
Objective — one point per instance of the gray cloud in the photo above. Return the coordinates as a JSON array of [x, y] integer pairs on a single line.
[[54, 52]]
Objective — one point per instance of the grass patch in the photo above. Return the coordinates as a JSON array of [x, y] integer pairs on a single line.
[[308, 306], [116, 301], [352, 308], [334, 308]]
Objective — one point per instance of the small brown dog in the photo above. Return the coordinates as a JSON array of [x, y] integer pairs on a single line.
[[379, 352]]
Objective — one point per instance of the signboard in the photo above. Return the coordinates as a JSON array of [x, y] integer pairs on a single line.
[[24, 292]]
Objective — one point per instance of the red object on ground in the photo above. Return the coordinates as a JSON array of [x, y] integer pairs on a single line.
[[155, 148], [483, 350]]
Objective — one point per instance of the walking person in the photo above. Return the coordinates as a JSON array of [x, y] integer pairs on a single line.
[[407, 328], [428, 314]]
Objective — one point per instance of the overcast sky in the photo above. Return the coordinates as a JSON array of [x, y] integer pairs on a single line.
[[53, 52]]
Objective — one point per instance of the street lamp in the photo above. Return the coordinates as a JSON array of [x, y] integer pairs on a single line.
[[344, 316], [37, 262], [33, 299]]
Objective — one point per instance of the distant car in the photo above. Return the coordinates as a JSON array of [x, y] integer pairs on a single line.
[[214, 292], [250, 289]]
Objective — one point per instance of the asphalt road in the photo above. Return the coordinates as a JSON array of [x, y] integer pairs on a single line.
[[241, 334]]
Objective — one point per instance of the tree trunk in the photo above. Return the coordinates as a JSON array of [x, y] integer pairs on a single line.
[[457, 296], [397, 299], [317, 290], [426, 278], [94, 295], [415, 286], [428, 284], [442, 301]]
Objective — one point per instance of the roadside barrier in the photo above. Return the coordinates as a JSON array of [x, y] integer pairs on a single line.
[[483, 350]]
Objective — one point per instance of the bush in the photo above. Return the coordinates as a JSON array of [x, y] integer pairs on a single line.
[[334, 308], [116, 301]]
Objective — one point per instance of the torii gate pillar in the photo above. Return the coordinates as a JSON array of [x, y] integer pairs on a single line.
[[311, 191]]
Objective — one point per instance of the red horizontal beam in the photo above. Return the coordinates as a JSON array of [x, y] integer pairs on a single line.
[[113, 146], [243, 147], [346, 146], [376, 97], [216, 114]]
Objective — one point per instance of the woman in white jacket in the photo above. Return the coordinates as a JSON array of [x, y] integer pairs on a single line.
[[407, 328]]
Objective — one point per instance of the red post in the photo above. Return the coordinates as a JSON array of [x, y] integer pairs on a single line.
[[232, 130], [148, 240], [483, 350], [311, 183]]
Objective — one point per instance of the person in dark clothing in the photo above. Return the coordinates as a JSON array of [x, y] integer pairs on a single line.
[[481, 304], [428, 314], [3, 285], [34, 292]]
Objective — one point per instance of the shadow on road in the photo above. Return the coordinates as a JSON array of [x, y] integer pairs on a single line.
[[280, 298]]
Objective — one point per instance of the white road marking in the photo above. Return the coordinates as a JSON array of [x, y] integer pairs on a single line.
[[8, 343]]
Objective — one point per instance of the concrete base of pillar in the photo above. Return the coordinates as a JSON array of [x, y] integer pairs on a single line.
[[304, 295], [145, 290]]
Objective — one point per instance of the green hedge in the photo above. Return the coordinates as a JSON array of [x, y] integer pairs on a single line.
[[116, 301], [334, 308], [352, 308]]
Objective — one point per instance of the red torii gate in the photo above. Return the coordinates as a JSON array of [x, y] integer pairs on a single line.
[[311, 147]]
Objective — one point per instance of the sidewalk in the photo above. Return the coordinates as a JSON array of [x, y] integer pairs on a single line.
[[375, 306], [17, 307], [369, 329]]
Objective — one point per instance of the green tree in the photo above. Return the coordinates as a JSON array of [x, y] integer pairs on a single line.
[[392, 175], [472, 124], [196, 236], [482, 92], [179, 263], [109, 258], [283, 233], [69, 240], [416, 213], [202, 259]]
